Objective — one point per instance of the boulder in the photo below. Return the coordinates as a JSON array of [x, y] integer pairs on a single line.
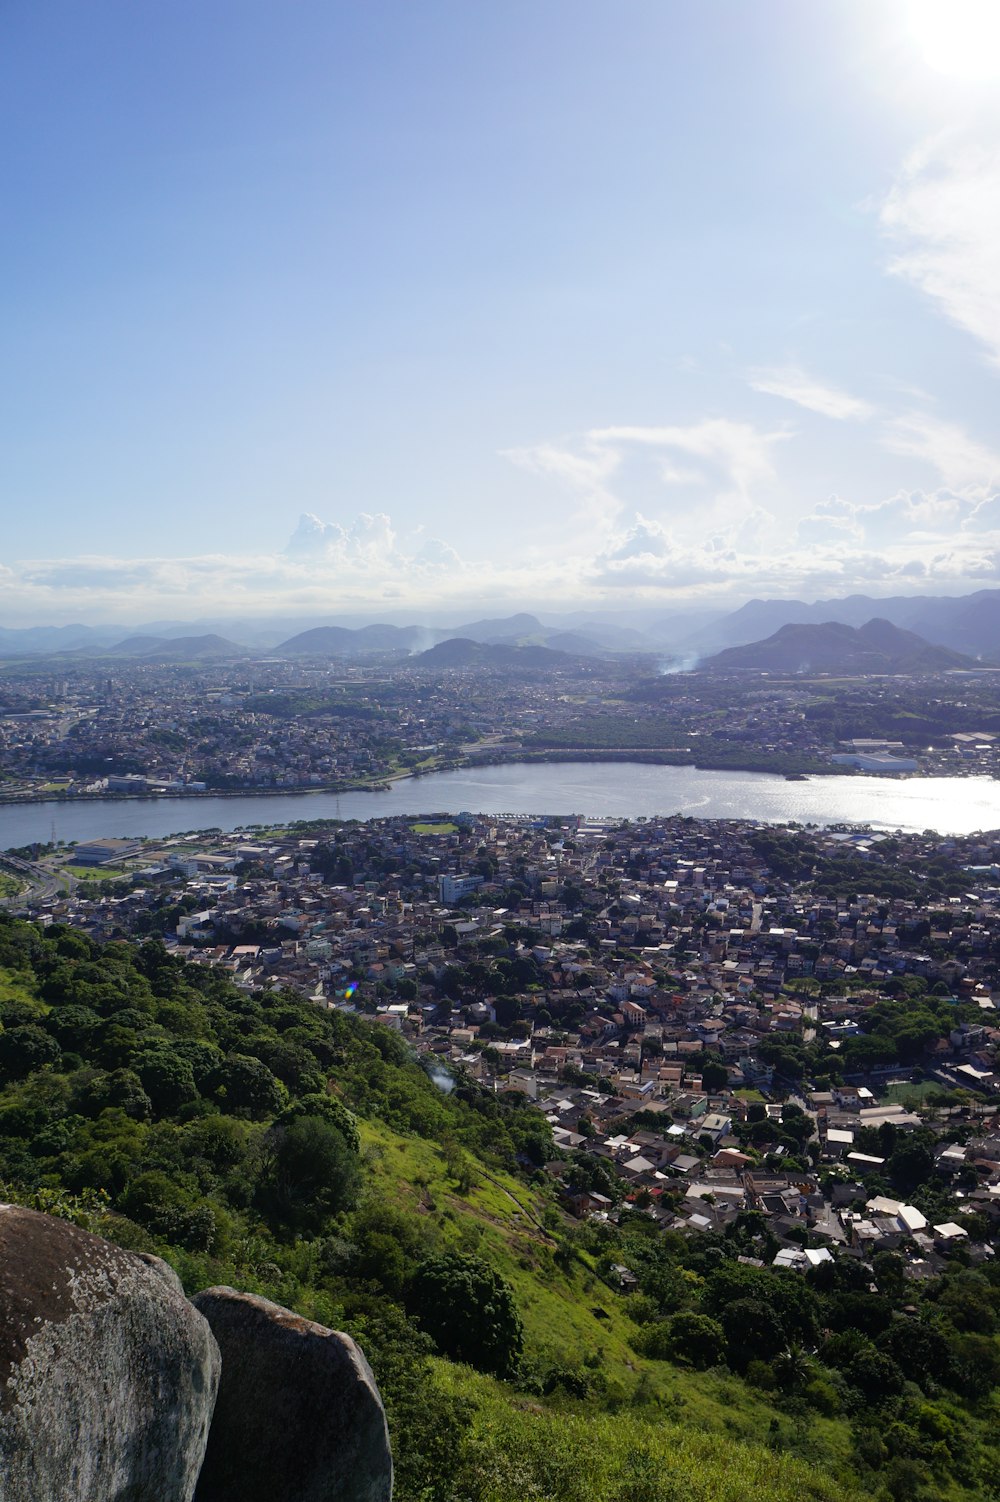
[[298, 1416], [108, 1376]]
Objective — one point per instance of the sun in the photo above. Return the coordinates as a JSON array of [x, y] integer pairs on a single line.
[[958, 37]]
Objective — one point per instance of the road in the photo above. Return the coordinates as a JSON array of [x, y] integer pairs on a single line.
[[42, 883]]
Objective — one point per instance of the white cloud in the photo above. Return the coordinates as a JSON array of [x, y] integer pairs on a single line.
[[716, 543], [725, 462], [741, 452], [368, 539], [984, 517], [831, 521], [944, 213], [840, 548], [794, 385], [917, 518], [963, 463]]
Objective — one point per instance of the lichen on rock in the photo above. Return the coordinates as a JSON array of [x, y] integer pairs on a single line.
[[108, 1375]]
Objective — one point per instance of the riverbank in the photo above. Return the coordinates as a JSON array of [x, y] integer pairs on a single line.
[[775, 766], [382, 785], [613, 790]]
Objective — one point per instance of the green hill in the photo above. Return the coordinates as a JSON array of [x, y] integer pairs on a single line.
[[261, 1141]]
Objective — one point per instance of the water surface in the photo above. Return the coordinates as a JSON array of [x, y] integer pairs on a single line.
[[950, 805]]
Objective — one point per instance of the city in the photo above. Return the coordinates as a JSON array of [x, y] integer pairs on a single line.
[[150, 729], [716, 1018]]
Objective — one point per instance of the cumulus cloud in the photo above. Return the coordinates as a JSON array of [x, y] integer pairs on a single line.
[[646, 564], [983, 517], [722, 535], [831, 521], [325, 566], [794, 385], [369, 539], [917, 518], [943, 212]]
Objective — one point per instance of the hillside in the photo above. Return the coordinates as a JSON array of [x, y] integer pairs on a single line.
[[344, 641], [458, 652], [876, 647], [258, 1141], [177, 649]]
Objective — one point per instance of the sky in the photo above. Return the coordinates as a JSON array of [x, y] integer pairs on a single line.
[[326, 308]]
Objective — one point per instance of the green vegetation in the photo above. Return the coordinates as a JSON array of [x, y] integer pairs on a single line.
[[301, 703], [907, 715], [794, 857], [445, 827], [261, 1141], [523, 1450]]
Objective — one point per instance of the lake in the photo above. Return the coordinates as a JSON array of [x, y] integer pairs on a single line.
[[951, 805]]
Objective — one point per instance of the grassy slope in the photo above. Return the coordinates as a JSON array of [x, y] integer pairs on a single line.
[[15, 987], [720, 1428], [527, 1450]]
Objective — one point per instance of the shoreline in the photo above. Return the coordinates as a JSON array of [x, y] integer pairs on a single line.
[[71, 799], [473, 762]]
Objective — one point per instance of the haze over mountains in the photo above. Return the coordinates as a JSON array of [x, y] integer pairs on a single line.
[[876, 647], [967, 624]]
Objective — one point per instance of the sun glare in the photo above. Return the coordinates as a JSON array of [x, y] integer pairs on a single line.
[[958, 37]]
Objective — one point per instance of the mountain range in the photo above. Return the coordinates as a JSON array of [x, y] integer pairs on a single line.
[[965, 623], [831, 647], [968, 624]]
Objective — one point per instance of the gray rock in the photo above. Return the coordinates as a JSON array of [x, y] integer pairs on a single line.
[[298, 1418], [108, 1376], [163, 1270]]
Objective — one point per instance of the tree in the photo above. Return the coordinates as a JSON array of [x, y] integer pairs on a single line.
[[911, 1164], [889, 1270], [328, 1108], [696, 1339], [714, 1074], [469, 1311], [167, 1079], [312, 1174], [24, 1049], [243, 1083], [876, 1375], [753, 1332], [919, 1349], [155, 1201]]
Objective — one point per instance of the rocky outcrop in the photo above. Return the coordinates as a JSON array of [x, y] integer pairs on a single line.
[[298, 1415], [108, 1375]]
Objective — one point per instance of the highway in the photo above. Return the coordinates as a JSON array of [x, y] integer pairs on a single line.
[[42, 883]]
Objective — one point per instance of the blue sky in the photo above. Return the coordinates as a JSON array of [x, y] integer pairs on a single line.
[[547, 301]]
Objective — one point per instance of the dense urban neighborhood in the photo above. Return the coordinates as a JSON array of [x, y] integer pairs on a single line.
[[129, 728], [713, 1019]]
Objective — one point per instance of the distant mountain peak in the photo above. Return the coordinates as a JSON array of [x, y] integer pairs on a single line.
[[831, 647]]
